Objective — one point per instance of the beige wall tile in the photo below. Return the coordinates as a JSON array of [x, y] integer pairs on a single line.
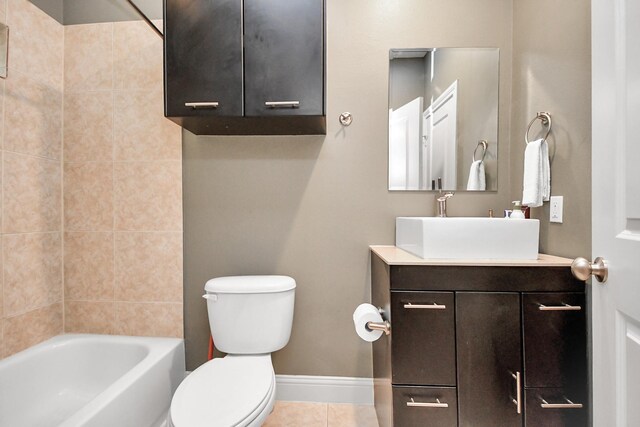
[[88, 266], [88, 126], [149, 319], [294, 414], [1, 337], [88, 196], [148, 196], [137, 65], [36, 43], [32, 189], [32, 266], [30, 328], [2, 90], [1, 292], [141, 130], [148, 266], [33, 119], [88, 57], [89, 317], [342, 415]]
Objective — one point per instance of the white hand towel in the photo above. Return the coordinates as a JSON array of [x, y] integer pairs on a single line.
[[537, 177], [477, 179]]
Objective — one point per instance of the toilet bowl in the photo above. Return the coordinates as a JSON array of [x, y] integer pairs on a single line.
[[250, 317], [230, 391]]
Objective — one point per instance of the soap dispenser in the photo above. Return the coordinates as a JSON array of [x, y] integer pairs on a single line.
[[517, 210]]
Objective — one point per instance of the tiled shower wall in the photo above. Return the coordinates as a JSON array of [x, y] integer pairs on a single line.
[[122, 185], [31, 301], [91, 183]]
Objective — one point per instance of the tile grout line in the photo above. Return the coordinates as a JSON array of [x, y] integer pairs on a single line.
[[116, 313], [62, 205]]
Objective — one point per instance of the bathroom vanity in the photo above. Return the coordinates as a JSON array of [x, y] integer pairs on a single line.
[[479, 342]]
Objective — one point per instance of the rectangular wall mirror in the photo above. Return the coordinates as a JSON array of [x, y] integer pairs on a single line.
[[443, 119]]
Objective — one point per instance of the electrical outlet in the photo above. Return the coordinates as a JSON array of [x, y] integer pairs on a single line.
[[555, 211]]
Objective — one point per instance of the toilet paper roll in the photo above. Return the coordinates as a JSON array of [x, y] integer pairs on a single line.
[[366, 313]]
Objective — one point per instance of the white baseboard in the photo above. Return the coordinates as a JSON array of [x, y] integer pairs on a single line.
[[305, 388]]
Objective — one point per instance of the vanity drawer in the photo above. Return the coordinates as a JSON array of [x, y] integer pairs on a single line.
[[555, 407], [424, 406], [554, 340], [423, 338]]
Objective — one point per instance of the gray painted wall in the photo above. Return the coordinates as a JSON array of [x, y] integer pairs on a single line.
[[53, 8], [309, 207], [552, 72], [70, 12]]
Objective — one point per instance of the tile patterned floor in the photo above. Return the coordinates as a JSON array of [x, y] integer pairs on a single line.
[[307, 414]]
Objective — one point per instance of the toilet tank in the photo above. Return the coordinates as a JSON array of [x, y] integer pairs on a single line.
[[250, 314]]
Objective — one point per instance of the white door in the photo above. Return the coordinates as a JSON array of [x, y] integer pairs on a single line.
[[616, 211], [405, 133], [440, 127]]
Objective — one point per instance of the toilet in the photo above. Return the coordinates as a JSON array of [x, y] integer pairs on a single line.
[[250, 317]]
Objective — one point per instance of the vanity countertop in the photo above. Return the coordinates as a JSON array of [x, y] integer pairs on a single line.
[[393, 255]]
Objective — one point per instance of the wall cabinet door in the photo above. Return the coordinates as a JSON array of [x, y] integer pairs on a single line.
[[203, 58], [284, 57], [489, 356]]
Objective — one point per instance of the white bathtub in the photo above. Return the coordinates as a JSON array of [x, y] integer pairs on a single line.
[[91, 380]]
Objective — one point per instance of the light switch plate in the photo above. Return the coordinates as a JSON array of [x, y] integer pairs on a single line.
[[555, 211]]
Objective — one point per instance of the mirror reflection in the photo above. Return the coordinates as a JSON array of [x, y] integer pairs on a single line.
[[443, 119]]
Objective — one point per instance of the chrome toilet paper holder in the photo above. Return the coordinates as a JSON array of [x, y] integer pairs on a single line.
[[379, 326]]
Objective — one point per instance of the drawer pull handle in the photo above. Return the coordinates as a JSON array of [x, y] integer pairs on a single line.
[[433, 306], [517, 401], [195, 105], [436, 404], [569, 405], [282, 104], [563, 307]]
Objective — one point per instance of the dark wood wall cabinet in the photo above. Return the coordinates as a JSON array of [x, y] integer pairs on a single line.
[[479, 345], [245, 67]]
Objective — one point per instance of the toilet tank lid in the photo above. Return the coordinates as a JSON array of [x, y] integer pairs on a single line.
[[250, 284]]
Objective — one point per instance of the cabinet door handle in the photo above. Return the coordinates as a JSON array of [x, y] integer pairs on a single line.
[[282, 104], [568, 405], [563, 307], [433, 306], [436, 404], [517, 401], [195, 105]]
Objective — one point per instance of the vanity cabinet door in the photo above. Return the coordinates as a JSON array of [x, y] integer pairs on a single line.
[[489, 358], [284, 57], [423, 338], [555, 407], [424, 406], [203, 58], [555, 340]]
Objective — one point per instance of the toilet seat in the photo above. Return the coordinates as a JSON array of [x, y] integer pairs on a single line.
[[225, 392]]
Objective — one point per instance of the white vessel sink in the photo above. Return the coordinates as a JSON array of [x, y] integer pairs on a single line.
[[468, 238]]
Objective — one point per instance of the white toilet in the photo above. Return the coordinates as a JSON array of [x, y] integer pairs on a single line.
[[250, 317]]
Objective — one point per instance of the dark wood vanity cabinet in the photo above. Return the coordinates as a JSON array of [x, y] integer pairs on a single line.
[[245, 67], [479, 346]]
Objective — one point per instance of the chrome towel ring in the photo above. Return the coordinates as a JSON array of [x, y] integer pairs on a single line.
[[482, 143], [545, 119]]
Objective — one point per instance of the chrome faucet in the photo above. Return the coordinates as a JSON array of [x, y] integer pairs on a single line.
[[442, 203]]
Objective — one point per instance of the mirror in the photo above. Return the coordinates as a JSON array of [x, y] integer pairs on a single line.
[[4, 50], [443, 119]]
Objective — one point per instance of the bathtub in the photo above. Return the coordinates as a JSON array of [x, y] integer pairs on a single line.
[[91, 380]]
